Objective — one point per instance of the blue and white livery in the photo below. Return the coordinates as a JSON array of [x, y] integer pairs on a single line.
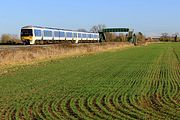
[[35, 35]]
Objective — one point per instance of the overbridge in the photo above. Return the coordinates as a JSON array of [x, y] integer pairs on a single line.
[[131, 37]]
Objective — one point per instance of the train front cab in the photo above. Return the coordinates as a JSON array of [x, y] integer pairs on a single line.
[[27, 36]]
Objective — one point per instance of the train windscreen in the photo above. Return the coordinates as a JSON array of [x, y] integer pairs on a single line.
[[26, 32]]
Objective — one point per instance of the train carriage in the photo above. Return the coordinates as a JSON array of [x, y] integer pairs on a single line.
[[35, 34], [38, 34], [79, 34], [84, 36], [56, 35], [69, 35], [47, 35]]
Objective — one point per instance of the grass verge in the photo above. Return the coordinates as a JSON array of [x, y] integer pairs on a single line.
[[25, 56]]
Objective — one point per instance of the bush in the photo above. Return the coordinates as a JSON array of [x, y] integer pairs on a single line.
[[5, 38], [10, 39]]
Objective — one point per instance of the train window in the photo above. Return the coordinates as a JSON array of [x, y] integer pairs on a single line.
[[26, 32], [75, 34], [89, 36], [37, 33], [79, 35], [95, 36], [84, 35], [62, 34], [47, 33], [69, 34], [56, 34]]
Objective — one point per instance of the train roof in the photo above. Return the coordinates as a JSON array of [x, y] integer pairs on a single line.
[[52, 28], [43, 27]]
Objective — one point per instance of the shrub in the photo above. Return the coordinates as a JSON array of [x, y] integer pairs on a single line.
[[10, 39]]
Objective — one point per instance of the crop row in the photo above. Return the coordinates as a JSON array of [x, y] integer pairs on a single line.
[[141, 83]]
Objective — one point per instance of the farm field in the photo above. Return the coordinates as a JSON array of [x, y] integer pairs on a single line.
[[135, 83]]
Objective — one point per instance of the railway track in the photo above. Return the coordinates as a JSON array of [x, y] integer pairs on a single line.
[[5, 47], [2, 47]]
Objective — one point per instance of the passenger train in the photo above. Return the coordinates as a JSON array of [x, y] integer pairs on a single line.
[[41, 35]]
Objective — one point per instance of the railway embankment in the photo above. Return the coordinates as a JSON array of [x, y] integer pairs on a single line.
[[34, 54]]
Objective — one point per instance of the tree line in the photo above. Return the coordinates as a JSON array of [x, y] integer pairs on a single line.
[[110, 37], [165, 37]]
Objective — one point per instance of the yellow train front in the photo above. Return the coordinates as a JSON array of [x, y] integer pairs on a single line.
[[27, 35], [41, 35]]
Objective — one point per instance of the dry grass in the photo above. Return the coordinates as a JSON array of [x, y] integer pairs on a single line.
[[31, 55]]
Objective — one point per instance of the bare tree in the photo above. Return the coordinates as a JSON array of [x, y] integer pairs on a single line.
[[97, 28], [9, 38], [140, 37], [5, 38], [82, 30], [177, 33], [111, 37], [175, 36], [165, 37], [122, 37]]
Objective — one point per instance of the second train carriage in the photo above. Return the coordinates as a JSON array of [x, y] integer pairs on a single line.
[[34, 35]]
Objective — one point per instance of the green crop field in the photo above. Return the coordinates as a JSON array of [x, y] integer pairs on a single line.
[[134, 83]]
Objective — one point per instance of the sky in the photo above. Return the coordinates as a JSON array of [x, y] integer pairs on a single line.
[[151, 17]]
